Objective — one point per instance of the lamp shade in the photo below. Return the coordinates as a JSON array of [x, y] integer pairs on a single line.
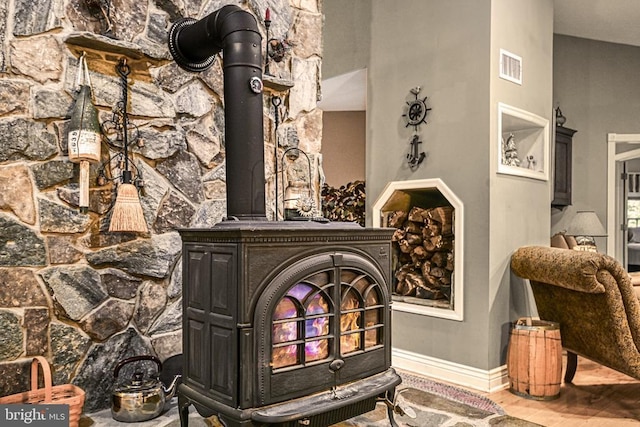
[[586, 223]]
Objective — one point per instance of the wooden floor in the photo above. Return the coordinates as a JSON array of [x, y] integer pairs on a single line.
[[598, 397]]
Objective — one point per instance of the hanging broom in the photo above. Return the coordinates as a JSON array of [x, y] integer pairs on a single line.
[[127, 212]]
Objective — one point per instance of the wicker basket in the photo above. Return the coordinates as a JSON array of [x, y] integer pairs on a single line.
[[66, 394]]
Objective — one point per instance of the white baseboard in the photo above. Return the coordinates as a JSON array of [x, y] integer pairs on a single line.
[[453, 373]]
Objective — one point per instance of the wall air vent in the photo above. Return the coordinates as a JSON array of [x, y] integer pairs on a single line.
[[510, 67]]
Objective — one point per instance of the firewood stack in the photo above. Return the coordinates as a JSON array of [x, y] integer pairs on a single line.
[[423, 243]]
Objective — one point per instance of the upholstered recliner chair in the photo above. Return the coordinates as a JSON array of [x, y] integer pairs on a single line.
[[590, 295]]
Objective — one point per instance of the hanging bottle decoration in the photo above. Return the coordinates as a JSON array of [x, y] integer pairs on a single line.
[[84, 136]]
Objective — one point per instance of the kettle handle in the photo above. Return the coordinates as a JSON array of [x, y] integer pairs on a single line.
[[136, 359]]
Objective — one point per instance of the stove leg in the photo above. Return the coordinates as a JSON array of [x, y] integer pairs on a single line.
[[183, 410], [391, 408]]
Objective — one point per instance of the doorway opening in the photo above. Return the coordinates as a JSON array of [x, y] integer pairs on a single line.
[[622, 152]]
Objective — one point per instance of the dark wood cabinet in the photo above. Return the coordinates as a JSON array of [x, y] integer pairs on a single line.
[[562, 167]]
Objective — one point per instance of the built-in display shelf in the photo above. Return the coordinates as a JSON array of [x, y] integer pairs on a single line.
[[523, 143]]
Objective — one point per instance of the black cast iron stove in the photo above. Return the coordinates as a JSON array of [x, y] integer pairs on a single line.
[[284, 323]]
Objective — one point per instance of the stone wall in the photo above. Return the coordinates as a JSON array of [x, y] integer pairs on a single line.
[[70, 290]]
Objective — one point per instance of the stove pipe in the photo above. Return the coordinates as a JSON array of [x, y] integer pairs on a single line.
[[193, 45]]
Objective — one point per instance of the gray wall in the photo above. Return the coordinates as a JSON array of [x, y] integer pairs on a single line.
[[450, 49], [346, 35], [443, 47], [519, 207], [597, 87]]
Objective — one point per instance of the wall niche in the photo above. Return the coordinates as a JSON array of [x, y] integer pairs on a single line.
[[427, 246], [523, 143]]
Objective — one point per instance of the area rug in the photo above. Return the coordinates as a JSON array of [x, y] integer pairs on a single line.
[[429, 403]]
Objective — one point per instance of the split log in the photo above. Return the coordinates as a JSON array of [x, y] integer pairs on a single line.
[[424, 259], [415, 280], [414, 239], [438, 243], [438, 273], [402, 272], [420, 252], [396, 219], [429, 293], [405, 246], [403, 288], [431, 229], [398, 235], [417, 214], [449, 266], [444, 216], [413, 227], [439, 259]]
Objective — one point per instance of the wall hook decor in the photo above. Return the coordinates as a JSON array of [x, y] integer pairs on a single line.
[[127, 214], [415, 157]]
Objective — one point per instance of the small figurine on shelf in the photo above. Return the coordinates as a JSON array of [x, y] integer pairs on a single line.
[[510, 152], [531, 162]]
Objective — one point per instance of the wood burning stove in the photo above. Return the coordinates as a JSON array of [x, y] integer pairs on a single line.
[[284, 323]]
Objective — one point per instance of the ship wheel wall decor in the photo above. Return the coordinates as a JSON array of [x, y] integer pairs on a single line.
[[415, 116], [417, 110]]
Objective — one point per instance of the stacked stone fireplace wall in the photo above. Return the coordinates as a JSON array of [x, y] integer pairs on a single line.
[[84, 297]]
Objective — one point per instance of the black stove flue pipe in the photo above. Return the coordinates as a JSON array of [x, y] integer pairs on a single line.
[[193, 45]]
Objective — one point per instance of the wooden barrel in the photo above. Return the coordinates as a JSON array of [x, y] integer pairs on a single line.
[[534, 359]]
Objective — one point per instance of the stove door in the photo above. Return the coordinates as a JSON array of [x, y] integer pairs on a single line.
[[326, 322]]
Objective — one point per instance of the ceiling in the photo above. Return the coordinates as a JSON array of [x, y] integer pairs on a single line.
[[613, 21]]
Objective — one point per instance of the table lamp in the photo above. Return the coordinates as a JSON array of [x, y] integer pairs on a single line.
[[584, 227]]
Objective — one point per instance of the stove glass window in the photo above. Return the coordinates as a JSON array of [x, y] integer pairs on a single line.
[[301, 324], [360, 313], [303, 319]]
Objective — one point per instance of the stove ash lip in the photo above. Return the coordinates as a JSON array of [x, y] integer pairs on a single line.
[[304, 407]]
